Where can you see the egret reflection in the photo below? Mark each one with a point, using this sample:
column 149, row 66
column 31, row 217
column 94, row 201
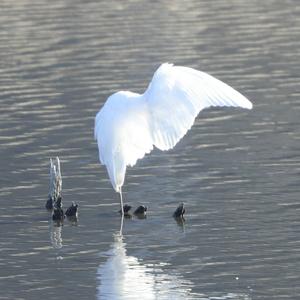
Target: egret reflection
column 126, row 277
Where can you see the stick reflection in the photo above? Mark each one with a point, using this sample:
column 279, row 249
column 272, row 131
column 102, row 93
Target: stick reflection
column 55, row 235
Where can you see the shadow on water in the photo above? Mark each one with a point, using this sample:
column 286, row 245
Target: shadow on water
column 180, row 222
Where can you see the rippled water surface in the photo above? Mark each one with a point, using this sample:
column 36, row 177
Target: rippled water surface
column 236, row 170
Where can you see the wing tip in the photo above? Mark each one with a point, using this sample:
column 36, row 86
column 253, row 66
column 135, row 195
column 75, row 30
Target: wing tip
column 248, row 105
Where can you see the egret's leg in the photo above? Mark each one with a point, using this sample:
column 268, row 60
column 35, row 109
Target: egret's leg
column 122, row 212
column 121, row 202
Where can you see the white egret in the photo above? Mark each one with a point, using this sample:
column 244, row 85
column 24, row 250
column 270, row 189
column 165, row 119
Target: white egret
column 130, row 124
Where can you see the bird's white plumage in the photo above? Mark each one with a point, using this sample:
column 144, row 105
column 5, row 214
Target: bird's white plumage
column 123, row 134
column 129, row 124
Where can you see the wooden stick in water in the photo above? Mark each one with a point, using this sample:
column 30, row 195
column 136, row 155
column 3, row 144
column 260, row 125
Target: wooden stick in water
column 55, row 186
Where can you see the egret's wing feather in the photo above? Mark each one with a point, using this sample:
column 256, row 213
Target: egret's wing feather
column 122, row 133
column 176, row 95
column 128, row 125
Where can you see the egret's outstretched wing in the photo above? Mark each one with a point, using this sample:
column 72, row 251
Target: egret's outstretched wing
column 176, row 95
column 122, row 133
column 129, row 124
